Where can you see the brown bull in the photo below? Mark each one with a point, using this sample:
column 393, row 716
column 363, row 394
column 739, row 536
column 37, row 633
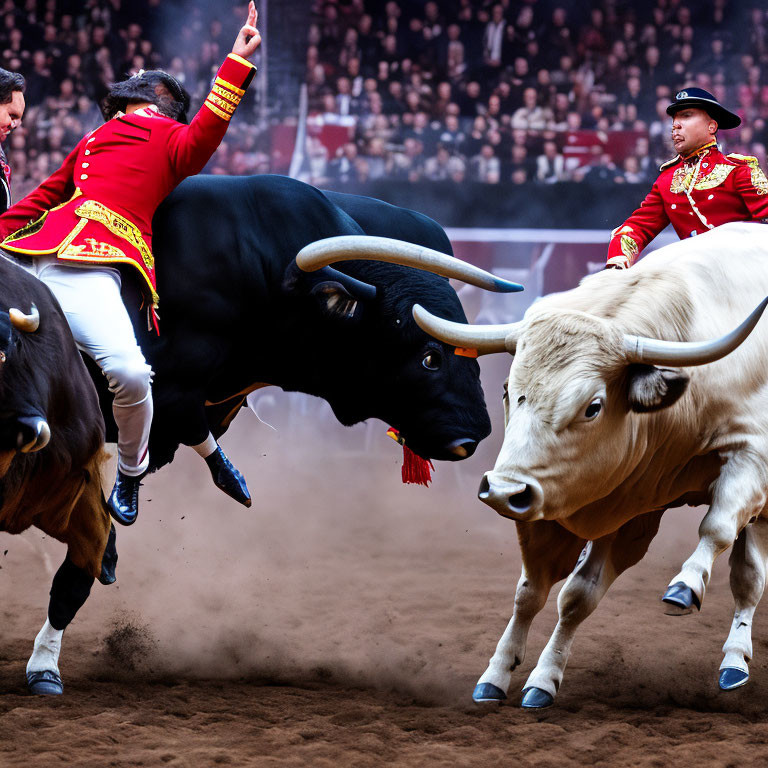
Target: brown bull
column 51, row 452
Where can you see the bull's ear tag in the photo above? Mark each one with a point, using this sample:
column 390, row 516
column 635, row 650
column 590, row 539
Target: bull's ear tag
column 465, row 352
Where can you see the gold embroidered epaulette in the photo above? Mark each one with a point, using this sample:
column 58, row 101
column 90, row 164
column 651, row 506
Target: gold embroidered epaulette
column 745, row 159
column 669, row 163
column 759, row 181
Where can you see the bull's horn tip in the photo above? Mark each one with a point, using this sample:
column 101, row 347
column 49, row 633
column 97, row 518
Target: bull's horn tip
column 507, row 286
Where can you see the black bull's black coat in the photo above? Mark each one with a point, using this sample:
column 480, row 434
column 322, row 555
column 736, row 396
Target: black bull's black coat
column 222, row 246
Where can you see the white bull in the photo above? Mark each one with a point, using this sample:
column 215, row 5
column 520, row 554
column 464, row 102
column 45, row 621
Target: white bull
column 602, row 436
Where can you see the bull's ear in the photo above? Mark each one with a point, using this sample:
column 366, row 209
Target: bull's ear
column 650, row 388
column 298, row 282
column 336, row 301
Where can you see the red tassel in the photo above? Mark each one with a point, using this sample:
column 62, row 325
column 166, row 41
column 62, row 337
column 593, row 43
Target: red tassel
column 415, row 469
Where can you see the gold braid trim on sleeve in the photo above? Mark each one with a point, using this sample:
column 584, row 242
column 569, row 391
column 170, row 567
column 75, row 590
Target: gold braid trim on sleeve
column 759, row 181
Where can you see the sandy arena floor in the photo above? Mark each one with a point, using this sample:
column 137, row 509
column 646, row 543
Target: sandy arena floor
column 344, row 620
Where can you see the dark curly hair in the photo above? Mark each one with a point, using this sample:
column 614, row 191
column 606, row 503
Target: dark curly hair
column 10, row 82
column 154, row 86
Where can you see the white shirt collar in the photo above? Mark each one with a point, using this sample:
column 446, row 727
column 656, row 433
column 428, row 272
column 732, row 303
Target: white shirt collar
column 143, row 112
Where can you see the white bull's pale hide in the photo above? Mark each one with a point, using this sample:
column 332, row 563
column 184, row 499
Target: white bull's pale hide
column 595, row 447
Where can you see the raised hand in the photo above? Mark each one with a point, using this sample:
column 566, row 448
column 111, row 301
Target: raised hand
column 248, row 39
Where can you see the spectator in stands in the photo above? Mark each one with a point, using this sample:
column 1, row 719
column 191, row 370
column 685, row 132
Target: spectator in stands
column 558, row 41
column 455, row 63
column 531, row 116
column 493, row 37
column 345, row 104
column 375, row 158
column 442, row 100
column 342, row 168
column 550, row 165
column 647, row 165
column 485, row 166
column 469, row 101
column 631, row 172
column 457, row 170
column 522, row 168
column 602, row 169
column 422, row 131
column 408, row 160
column 436, row 168
column 451, row 135
column 317, row 159
column 560, row 112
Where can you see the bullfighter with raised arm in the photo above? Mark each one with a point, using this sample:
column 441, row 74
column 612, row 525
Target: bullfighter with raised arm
column 93, row 217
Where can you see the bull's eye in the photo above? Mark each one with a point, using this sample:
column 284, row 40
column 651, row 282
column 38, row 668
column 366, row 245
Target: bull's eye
column 432, row 360
column 594, row 408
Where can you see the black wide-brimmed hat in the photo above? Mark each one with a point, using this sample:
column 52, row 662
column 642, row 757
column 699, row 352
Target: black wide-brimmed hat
column 698, row 97
column 154, row 86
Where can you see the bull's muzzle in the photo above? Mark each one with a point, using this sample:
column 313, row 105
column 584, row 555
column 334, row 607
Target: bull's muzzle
column 518, row 500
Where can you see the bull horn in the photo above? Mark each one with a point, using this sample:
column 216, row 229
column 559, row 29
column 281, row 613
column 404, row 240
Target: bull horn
column 486, row 339
column 40, row 440
column 681, row 353
column 27, row 323
column 321, row 253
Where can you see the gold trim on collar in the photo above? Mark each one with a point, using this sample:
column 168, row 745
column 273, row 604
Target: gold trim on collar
column 711, row 144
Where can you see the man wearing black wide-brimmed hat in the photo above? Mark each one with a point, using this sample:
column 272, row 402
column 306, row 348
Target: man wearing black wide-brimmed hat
column 699, row 189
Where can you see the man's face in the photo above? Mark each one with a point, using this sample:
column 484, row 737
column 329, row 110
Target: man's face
column 691, row 128
column 11, row 114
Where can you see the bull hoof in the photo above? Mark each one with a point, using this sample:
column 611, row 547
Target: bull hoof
column 536, row 698
column 109, row 559
column 681, row 599
column 731, row 678
column 45, row 683
column 487, row 693
column 227, row 478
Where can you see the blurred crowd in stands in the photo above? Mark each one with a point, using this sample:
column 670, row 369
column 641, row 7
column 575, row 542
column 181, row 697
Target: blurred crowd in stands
column 512, row 91
column 69, row 51
column 524, row 90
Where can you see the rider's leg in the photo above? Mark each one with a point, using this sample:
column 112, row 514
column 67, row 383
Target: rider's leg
column 90, row 298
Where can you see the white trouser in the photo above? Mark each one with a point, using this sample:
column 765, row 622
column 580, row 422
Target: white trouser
column 90, row 298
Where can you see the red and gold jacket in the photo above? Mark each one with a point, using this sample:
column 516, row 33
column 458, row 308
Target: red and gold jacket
column 694, row 194
column 98, row 207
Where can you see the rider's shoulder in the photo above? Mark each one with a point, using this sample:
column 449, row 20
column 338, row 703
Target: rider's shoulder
column 738, row 159
column 670, row 163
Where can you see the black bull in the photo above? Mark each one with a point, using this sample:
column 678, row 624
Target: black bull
column 234, row 312
column 228, row 320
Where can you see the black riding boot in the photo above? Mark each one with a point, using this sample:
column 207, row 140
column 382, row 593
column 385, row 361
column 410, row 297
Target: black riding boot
column 226, row 477
column 124, row 499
